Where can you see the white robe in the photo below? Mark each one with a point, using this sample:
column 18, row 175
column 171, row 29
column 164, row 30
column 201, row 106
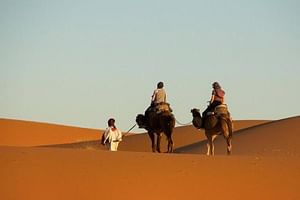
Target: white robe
column 113, row 137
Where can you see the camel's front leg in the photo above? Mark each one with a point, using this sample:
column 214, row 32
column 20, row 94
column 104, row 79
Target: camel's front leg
column 151, row 135
column 212, row 145
column 209, row 145
column 208, row 148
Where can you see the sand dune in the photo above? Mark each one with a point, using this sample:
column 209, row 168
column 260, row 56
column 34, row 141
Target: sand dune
column 27, row 133
column 265, row 165
column 182, row 136
column 274, row 138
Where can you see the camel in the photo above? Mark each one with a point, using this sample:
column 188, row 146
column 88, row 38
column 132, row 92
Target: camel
column 156, row 124
column 214, row 124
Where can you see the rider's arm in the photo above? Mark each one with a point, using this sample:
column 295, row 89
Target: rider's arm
column 223, row 100
column 212, row 98
column 153, row 96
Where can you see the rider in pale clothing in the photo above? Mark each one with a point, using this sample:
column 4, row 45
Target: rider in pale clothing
column 113, row 135
column 159, row 95
column 158, row 103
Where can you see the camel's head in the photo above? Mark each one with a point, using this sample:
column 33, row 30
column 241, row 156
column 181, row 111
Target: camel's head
column 140, row 120
column 197, row 121
column 195, row 112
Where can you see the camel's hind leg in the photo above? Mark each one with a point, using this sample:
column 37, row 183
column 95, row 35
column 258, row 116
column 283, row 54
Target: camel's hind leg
column 170, row 141
column 228, row 136
column 229, row 145
column 227, row 133
column 158, row 143
column 170, row 145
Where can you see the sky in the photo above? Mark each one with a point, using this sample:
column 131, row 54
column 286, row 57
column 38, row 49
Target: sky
column 79, row 63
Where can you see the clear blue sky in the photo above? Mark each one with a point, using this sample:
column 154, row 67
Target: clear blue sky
column 81, row 62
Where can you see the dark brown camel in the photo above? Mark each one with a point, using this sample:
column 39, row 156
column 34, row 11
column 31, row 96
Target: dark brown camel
column 214, row 125
column 156, row 124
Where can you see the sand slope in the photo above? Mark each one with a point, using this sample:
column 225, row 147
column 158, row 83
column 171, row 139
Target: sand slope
column 27, row 133
column 281, row 137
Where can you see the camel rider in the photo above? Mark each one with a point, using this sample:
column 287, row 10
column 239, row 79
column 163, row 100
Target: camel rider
column 158, row 100
column 217, row 98
column 159, row 95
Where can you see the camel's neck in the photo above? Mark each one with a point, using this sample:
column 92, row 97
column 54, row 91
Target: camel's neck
column 197, row 120
column 197, row 115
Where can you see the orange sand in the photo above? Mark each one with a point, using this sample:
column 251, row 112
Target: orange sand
column 265, row 164
column 25, row 133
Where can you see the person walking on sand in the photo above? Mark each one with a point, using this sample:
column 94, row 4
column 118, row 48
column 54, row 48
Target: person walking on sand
column 112, row 135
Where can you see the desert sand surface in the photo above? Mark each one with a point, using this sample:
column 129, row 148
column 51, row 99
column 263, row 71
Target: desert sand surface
column 265, row 164
column 28, row 133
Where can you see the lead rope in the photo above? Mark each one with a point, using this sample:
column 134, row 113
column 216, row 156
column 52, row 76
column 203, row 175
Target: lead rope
column 182, row 123
column 125, row 134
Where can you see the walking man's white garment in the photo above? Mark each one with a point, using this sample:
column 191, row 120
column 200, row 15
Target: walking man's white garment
column 114, row 136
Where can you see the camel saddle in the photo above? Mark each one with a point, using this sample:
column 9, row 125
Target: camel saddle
column 221, row 109
column 163, row 107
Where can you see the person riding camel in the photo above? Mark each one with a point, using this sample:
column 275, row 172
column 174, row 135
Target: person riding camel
column 217, row 98
column 159, row 95
column 158, row 101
